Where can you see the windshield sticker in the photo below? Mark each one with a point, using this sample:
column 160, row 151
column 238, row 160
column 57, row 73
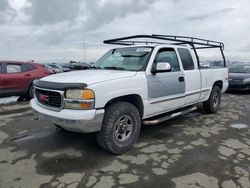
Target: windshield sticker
column 143, row 50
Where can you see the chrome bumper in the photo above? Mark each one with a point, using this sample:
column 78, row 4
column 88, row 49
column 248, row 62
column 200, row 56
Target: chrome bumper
column 84, row 121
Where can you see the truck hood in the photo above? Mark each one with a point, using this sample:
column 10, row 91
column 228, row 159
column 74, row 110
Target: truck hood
column 88, row 76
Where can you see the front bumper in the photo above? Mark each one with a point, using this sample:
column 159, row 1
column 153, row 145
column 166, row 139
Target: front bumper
column 84, row 121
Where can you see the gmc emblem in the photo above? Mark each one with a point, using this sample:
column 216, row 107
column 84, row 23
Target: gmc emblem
column 43, row 97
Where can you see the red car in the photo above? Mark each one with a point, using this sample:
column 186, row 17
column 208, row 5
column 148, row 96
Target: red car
column 16, row 78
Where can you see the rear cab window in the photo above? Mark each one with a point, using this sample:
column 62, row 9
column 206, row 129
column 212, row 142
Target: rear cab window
column 1, row 69
column 186, row 59
column 211, row 58
column 13, row 68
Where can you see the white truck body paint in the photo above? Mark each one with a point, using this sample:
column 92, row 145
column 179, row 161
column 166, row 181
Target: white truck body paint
column 110, row 84
column 209, row 77
column 88, row 76
column 193, row 82
column 106, row 91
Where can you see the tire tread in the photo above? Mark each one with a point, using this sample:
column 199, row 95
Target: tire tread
column 104, row 137
column 207, row 105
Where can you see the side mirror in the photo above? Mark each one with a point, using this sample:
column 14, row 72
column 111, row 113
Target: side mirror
column 162, row 67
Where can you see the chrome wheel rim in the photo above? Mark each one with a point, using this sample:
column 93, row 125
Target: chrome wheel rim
column 215, row 99
column 123, row 128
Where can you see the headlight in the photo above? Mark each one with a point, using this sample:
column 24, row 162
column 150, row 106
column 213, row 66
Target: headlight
column 79, row 99
column 246, row 80
column 84, row 94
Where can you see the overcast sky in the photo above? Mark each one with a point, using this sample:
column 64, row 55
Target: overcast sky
column 52, row 30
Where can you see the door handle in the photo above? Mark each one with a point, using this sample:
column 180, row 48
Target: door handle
column 27, row 75
column 181, row 79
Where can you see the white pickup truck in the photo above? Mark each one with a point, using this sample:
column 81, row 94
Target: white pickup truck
column 129, row 86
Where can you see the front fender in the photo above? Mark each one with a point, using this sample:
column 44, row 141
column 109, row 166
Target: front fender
column 106, row 91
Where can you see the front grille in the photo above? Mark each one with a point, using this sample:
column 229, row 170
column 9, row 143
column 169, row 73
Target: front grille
column 48, row 98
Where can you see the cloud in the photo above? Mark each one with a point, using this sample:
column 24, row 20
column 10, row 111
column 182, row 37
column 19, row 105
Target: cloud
column 54, row 29
column 82, row 16
column 102, row 12
column 52, row 11
column 6, row 12
column 245, row 48
column 56, row 34
column 211, row 14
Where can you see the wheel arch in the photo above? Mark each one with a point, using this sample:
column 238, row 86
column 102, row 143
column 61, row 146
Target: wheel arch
column 218, row 83
column 134, row 99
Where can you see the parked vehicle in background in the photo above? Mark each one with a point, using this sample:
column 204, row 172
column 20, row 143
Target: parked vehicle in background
column 16, row 78
column 84, row 65
column 74, row 65
column 66, row 67
column 211, row 64
column 217, row 64
column 205, row 64
column 146, row 83
column 56, row 68
column 49, row 68
column 239, row 76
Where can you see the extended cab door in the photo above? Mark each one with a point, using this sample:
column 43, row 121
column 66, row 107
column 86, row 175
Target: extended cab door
column 166, row 90
column 192, row 76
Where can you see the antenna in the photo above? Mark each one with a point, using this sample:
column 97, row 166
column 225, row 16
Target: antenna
column 84, row 48
column 83, row 34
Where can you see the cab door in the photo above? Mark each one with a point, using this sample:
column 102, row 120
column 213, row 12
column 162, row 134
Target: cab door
column 192, row 76
column 166, row 90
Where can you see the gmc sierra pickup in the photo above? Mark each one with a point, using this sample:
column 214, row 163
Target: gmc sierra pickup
column 145, row 82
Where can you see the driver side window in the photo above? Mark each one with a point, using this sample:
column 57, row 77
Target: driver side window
column 168, row 55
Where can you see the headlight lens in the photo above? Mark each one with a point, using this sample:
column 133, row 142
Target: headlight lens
column 80, row 94
column 246, row 80
column 79, row 99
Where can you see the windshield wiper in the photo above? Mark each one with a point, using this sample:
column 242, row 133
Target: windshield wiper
column 115, row 68
column 136, row 55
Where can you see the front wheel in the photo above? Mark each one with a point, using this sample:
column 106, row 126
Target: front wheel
column 120, row 128
column 30, row 91
column 212, row 105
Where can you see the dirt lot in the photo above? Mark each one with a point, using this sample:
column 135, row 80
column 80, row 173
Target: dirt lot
column 196, row 150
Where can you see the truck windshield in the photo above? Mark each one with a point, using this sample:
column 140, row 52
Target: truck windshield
column 131, row 59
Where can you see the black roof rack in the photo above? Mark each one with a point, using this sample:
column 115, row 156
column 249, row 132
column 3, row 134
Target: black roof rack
column 195, row 43
column 203, row 43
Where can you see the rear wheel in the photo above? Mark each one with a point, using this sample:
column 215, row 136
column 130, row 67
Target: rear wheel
column 212, row 105
column 120, row 128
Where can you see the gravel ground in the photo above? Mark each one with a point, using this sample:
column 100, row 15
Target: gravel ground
column 195, row 150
